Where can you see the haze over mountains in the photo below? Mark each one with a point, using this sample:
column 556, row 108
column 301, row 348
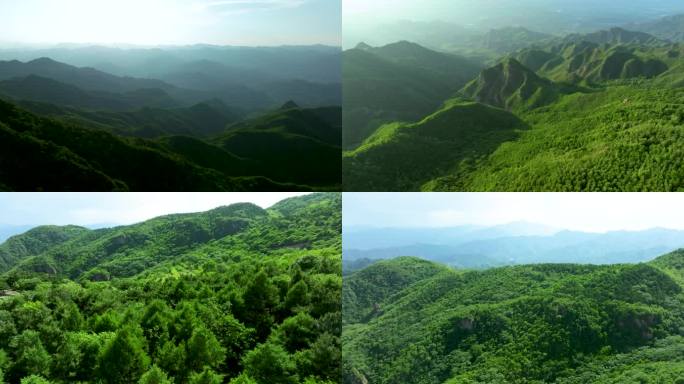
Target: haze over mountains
column 512, row 244
column 216, row 118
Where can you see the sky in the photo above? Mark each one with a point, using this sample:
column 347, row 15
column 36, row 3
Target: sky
column 109, row 209
column 589, row 212
column 171, row 22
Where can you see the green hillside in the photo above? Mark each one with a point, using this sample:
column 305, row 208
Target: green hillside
column 403, row 156
column 401, row 81
column 598, row 112
column 238, row 294
column 560, row 323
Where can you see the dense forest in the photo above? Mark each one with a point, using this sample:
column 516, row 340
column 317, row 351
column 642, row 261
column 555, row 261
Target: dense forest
column 598, row 111
column 204, row 118
column 239, row 295
column 409, row 320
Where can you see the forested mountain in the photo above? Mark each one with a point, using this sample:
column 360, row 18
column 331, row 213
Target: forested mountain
column 413, row 321
column 401, row 81
column 238, row 294
column 597, row 111
column 210, row 119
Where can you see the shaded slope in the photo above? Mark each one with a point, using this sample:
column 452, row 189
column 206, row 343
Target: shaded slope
column 201, row 120
column 41, row 89
column 84, row 78
column 290, row 144
column 401, row 81
column 405, row 156
column 41, row 153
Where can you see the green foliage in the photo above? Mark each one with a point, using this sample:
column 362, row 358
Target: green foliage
column 123, row 359
column 525, row 324
column 188, row 298
column 154, row 376
column 207, row 376
column 34, row 379
column 270, row 363
column 29, row 355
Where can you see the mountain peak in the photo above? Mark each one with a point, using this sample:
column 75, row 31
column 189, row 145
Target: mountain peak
column 510, row 84
column 289, row 105
column 363, row 46
column 43, row 61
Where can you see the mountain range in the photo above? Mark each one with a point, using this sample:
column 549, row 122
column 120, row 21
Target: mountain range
column 514, row 244
column 69, row 127
column 581, row 112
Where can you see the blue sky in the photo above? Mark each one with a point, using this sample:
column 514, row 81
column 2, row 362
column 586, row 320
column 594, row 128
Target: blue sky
column 592, row 212
column 96, row 209
column 163, row 22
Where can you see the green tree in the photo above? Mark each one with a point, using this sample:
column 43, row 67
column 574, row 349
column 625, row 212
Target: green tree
column 34, row 379
column 70, row 316
column 123, row 359
column 297, row 295
column 76, row 357
column 203, row 350
column 270, row 363
column 243, row 379
column 155, row 323
column 30, row 357
column 260, row 299
column 297, row 332
column 207, row 376
column 154, row 376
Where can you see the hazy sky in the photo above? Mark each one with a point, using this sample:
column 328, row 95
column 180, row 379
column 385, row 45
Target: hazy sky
column 157, row 22
column 88, row 209
column 575, row 211
column 371, row 21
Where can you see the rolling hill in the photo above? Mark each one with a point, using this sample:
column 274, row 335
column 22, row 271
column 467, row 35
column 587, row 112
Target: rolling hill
column 549, row 323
